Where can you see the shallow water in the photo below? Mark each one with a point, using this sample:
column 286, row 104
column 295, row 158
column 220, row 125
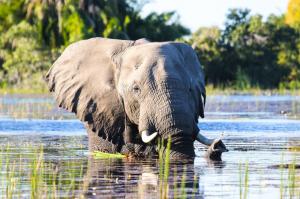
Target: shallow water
column 260, row 131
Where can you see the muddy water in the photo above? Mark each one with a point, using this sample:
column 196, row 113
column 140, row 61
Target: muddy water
column 262, row 132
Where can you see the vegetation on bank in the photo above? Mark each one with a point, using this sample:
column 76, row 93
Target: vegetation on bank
column 249, row 54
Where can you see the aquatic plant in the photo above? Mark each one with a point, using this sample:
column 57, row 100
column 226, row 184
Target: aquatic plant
column 43, row 178
column 164, row 175
column 28, row 172
column 244, row 181
column 291, row 180
column 102, row 155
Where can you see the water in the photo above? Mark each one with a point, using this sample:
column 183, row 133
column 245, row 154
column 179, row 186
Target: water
column 261, row 131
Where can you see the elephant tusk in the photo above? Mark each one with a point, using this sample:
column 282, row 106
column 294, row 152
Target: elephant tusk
column 147, row 136
column 204, row 140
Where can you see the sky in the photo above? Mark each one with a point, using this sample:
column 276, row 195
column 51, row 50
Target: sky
column 197, row 13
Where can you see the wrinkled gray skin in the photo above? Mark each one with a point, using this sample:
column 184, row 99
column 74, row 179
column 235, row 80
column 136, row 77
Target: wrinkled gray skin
column 120, row 88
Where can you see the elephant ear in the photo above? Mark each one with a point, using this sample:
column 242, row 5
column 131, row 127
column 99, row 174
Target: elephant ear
column 191, row 61
column 83, row 81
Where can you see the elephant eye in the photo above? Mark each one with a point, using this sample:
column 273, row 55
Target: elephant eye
column 136, row 89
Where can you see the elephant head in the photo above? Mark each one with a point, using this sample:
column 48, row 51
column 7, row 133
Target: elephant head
column 130, row 92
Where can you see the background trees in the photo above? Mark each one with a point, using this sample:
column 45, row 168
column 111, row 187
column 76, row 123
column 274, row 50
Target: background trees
column 293, row 14
column 34, row 32
column 249, row 51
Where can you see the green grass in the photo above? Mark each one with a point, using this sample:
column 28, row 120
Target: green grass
column 289, row 183
column 31, row 170
column 244, row 180
column 30, row 88
column 48, row 180
column 210, row 89
column 44, row 179
column 165, row 172
column 102, row 155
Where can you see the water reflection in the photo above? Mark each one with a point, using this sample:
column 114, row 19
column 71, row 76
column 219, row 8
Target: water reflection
column 75, row 173
column 260, row 130
column 134, row 179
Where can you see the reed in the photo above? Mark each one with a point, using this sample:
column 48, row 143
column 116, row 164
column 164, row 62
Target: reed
column 244, row 180
column 43, row 179
column 164, row 174
column 290, row 179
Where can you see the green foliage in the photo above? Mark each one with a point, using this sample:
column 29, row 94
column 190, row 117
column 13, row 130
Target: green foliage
column 249, row 52
column 242, row 81
column 32, row 32
column 22, row 55
column 293, row 14
column 10, row 13
column 157, row 27
column 103, row 155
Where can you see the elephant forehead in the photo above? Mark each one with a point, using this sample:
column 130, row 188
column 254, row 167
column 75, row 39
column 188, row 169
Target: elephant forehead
column 137, row 55
column 151, row 55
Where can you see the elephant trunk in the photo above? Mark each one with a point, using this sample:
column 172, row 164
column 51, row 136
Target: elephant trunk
column 176, row 123
column 168, row 112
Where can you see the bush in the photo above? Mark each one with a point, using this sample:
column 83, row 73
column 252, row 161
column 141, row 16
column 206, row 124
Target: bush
column 22, row 55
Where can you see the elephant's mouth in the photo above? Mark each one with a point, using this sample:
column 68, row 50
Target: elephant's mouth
column 215, row 146
column 148, row 136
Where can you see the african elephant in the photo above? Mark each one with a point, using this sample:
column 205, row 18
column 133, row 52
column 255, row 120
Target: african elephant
column 129, row 92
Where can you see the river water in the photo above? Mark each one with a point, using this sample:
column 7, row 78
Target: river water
column 262, row 134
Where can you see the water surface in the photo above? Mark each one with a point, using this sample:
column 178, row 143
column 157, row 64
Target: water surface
column 262, row 132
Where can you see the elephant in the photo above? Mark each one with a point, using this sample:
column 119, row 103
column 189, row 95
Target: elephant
column 130, row 93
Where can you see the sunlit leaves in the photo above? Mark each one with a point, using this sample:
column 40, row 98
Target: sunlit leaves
column 249, row 51
column 22, row 53
column 293, row 14
column 33, row 31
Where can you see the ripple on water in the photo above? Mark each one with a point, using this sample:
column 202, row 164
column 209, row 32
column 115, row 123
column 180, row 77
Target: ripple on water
column 253, row 128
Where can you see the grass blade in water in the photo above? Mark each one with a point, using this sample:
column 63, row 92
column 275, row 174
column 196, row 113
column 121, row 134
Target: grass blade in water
column 102, row 155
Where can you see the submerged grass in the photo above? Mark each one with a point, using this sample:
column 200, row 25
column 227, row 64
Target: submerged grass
column 165, row 167
column 102, row 155
column 289, row 180
column 42, row 178
column 244, row 181
column 290, row 184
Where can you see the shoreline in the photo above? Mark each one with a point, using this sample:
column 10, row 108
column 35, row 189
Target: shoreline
column 209, row 91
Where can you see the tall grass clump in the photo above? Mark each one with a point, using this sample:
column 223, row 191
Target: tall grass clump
column 164, row 167
column 289, row 183
column 165, row 171
column 244, row 181
column 29, row 175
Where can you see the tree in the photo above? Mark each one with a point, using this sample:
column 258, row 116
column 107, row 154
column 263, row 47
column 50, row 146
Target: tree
column 33, row 31
column 23, row 56
column 292, row 17
column 206, row 42
column 249, row 51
